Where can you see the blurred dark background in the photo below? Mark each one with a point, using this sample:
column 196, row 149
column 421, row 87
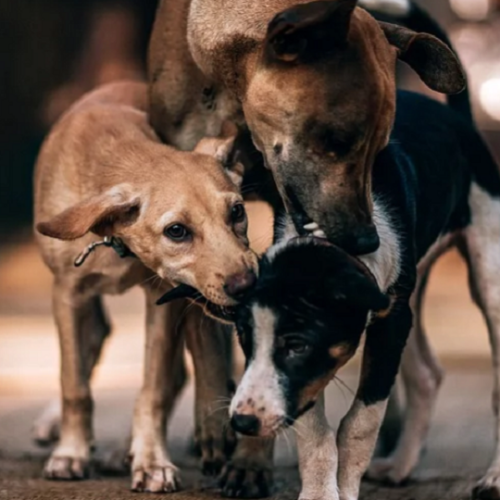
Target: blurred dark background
column 52, row 51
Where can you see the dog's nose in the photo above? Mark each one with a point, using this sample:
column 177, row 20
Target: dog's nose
column 363, row 241
column 237, row 284
column 245, row 424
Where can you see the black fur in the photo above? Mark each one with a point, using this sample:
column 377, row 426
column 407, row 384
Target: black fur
column 321, row 296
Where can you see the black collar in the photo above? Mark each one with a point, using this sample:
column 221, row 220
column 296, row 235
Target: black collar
column 109, row 241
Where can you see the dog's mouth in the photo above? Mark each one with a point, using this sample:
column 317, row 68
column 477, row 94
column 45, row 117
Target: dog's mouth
column 221, row 313
column 304, row 225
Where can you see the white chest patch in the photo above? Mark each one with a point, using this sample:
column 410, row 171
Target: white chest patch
column 385, row 262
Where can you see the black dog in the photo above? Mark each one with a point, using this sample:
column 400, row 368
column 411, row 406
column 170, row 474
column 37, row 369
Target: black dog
column 434, row 186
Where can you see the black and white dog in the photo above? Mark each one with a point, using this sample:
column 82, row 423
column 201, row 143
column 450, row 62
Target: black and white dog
column 434, row 186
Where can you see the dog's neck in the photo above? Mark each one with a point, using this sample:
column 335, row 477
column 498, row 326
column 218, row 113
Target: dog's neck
column 384, row 264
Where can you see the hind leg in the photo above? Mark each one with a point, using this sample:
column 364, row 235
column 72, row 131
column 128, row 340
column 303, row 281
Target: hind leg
column 46, row 428
column 74, row 314
column 481, row 249
column 422, row 377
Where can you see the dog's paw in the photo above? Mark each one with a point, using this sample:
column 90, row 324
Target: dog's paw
column 488, row 488
column 66, row 468
column 246, row 478
column 216, row 442
column 47, row 426
column 154, row 479
column 387, row 471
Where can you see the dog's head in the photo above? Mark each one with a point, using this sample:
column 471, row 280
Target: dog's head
column 319, row 99
column 299, row 325
column 182, row 215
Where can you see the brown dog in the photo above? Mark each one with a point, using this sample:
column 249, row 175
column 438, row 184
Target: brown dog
column 315, row 84
column 102, row 170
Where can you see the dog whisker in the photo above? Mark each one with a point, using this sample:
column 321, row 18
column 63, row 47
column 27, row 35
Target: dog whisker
column 343, row 384
column 217, row 410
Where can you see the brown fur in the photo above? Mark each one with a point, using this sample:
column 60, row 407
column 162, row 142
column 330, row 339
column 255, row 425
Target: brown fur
column 342, row 353
column 253, row 57
column 103, row 170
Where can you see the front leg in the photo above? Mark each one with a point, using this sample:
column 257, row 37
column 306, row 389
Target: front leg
column 152, row 469
column 210, row 345
column 317, row 451
column 249, row 473
column 385, row 341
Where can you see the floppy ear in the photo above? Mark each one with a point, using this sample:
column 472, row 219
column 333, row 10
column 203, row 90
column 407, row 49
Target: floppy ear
column 225, row 151
column 356, row 288
column 98, row 214
column 308, row 29
column 435, row 63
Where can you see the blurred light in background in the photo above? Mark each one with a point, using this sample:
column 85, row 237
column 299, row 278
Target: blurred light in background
column 489, row 96
column 472, row 10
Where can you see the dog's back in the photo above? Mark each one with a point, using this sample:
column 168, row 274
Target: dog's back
column 65, row 170
column 424, row 176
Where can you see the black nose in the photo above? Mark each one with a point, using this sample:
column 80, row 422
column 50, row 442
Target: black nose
column 363, row 241
column 245, row 424
column 237, row 284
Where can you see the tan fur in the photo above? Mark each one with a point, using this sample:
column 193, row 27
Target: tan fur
column 103, row 170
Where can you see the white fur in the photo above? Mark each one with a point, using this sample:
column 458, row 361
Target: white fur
column 167, row 218
column 260, row 383
column 483, row 242
column 384, row 263
column 400, row 8
column 317, row 450
column 356, row 440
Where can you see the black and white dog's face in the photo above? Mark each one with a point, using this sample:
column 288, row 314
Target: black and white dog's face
column 301, row 323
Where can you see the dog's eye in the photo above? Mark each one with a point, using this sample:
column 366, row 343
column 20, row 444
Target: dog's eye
column 238, row 213
column 296, row 347
column 177, row 232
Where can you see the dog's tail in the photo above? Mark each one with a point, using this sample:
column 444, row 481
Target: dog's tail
column 414, row 17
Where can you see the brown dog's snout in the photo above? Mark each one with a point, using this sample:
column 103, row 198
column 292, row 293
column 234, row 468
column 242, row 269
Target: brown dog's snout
column 237, row 284
column 249, row 425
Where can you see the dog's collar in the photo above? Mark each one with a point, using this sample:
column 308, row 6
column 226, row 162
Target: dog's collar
column 109, row 241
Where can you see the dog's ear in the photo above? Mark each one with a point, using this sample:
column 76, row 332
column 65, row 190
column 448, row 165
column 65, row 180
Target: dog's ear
column 435, row 63
column 99, row 214
column 354, row 286
column 308, row 29
column 224, row 150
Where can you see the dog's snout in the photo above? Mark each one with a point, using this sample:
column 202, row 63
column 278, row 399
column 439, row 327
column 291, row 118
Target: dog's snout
column 245, row 424
column 364, row 241
column 237, row 284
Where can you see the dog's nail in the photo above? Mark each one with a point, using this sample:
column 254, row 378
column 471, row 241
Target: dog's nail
column 312, row 226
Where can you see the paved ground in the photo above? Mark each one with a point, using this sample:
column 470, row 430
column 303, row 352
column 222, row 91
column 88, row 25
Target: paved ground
column 459, row 447
column 458, row 451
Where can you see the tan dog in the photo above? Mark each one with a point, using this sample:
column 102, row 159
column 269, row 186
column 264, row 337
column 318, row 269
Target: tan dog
column 313, row 81
column 103, row 171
